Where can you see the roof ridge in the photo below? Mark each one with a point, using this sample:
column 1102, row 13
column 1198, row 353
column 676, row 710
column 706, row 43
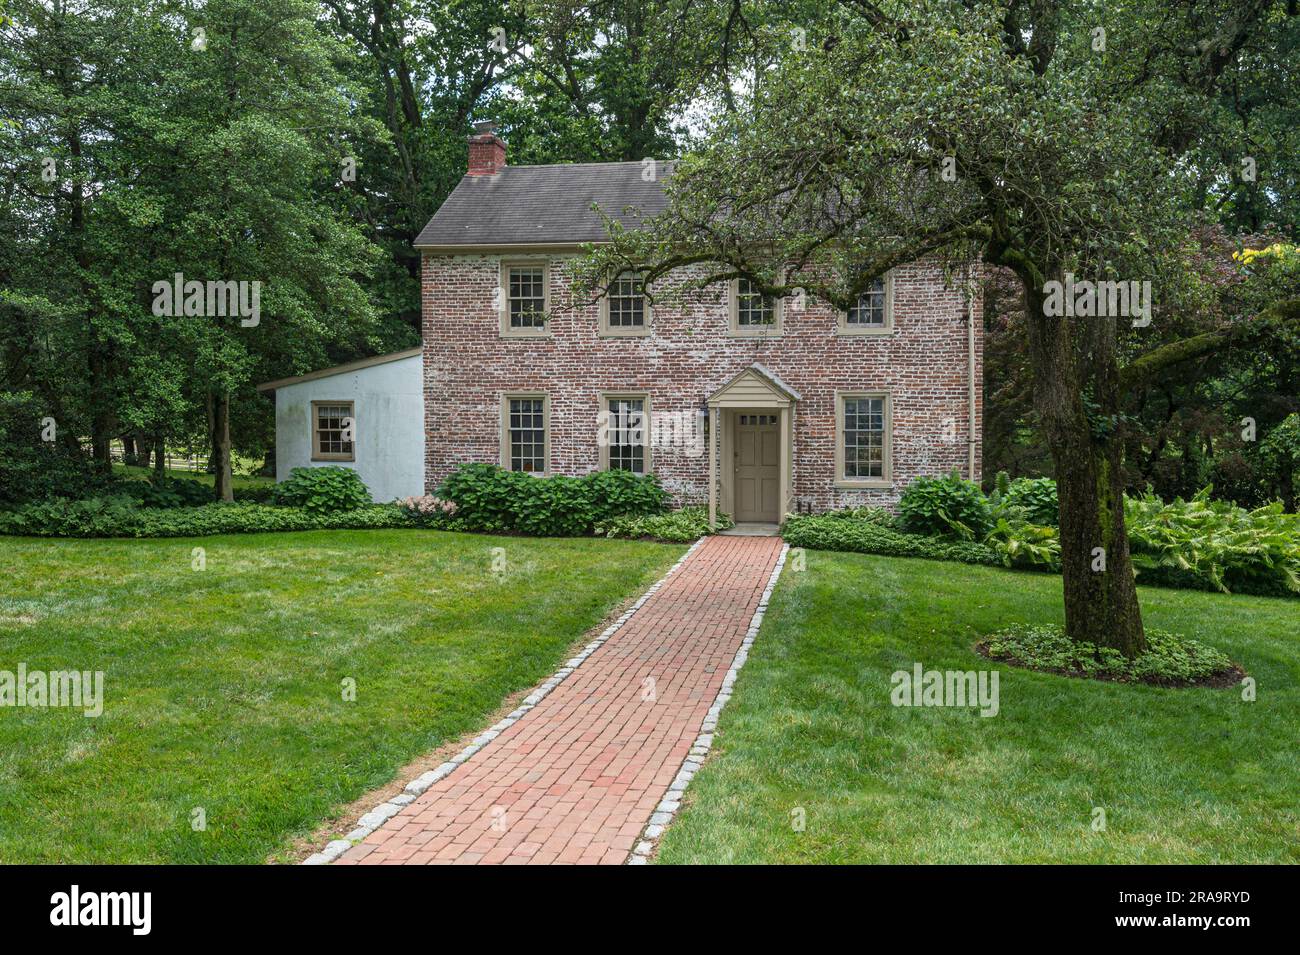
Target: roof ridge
column 552, row 165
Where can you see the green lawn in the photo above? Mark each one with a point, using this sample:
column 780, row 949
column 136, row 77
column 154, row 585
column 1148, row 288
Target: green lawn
column 236, row 480
column 223, row 686
column 1184, row 776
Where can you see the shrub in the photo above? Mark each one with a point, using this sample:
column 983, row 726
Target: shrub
column 872, row 515
column 1021, row 544
column 945, row 507
column 681, row 526
column 172, row 492
column 490, row 498
column 1035, row 498
column 325, row 490
column 32, row 469
column 823, row 532
column 1214, row 544
column 428, row 511
column 255, row 494
column 1170, row 660
column 91, row 517
column 119, row 517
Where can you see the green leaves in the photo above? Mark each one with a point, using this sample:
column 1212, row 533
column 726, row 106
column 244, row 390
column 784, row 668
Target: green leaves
column 326, row 490
column 1170, row 659
column 680, row 526
column 490, row 498
column 1215, row 543
column 945, row 507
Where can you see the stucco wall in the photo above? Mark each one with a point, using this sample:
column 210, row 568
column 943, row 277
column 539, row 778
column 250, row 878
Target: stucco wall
column 388, row 407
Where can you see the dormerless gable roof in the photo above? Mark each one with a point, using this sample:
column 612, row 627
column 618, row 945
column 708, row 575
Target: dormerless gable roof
column 544, row 205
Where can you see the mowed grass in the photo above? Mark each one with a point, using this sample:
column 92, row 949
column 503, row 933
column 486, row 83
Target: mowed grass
column 236, row 480
column 224, row 686
column 1183, row 776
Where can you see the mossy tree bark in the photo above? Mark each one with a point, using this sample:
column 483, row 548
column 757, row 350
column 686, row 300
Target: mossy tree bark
column 1077, row 395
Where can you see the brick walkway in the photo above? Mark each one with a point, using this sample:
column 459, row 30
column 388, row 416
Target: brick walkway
column 576, row 779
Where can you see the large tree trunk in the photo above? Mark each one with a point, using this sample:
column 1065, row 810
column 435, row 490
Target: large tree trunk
column 221, row 446
column 159, row 458
column 1071, row 356
column 143, row 447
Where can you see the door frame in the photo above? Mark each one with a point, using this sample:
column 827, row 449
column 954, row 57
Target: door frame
column 731, row 421
column 753, row 390
column 723, row 435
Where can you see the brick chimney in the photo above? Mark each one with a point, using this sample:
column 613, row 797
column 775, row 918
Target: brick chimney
column 487, row 150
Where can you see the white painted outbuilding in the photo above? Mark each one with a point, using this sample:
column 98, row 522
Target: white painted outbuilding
column 367, row 415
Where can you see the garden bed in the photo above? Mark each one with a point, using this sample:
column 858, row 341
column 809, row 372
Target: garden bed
column 1170, row 660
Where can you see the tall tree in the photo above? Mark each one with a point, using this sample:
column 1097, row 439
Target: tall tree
column 204, row 139
column 1041, row 137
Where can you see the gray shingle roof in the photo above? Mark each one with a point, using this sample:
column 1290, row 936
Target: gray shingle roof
column 544, row 204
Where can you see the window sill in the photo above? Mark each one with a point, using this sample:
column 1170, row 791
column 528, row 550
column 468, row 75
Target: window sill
column 758, row 333
column 848, row 332
column 610, row 333
column 332, row 460
column 875, row 484
column 526, row 335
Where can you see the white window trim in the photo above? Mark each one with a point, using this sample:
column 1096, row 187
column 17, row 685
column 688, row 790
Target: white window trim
column 644, row 396
column 504, row 432
column 621, row 331
column 844, row 328
column 736, row 330
column 503, row 286
column 886, row 479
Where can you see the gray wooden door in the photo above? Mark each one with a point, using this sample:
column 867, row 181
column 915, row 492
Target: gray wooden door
column 758, row 464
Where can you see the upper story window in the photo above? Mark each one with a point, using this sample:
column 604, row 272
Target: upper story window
column 624, row 310
column 752, row 312
column 332, row 431
column 525, row 294
column 873, row 312
column 525, row 421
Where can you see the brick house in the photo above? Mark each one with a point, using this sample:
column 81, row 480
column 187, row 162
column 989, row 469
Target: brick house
column 757, row 407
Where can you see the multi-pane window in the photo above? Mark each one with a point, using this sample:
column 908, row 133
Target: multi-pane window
column 869, row 310
column 332, row 430
column 753, row 308
column 626, row 433
column 526, row 434
column 526, row 296
column 863, row 438
column 626, row 302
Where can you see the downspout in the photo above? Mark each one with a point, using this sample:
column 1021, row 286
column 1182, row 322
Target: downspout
column 970, row 382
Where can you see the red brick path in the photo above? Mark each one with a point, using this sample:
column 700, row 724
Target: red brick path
column 576, row 779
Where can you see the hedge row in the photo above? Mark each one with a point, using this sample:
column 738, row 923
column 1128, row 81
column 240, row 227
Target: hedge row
column 679, row 527
column 490, row 498
column 99, row 517
column 827, row 532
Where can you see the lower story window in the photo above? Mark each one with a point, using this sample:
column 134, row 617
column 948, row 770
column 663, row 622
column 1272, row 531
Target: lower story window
column 863, row 438
column 524, row 434
column 332, row 431
column 626, row 434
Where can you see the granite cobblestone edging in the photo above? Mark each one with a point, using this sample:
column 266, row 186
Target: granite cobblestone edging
column 672, row 801
column 377, row 816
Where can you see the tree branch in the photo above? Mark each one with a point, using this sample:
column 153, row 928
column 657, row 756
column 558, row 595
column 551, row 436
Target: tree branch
column 1278, row 316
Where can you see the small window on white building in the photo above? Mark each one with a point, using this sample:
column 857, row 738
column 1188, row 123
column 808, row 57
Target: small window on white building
column 333, row 431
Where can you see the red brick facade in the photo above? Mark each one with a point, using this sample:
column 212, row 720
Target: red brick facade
column 687, row 357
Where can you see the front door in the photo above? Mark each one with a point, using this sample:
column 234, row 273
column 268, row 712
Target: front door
column 758, row 465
